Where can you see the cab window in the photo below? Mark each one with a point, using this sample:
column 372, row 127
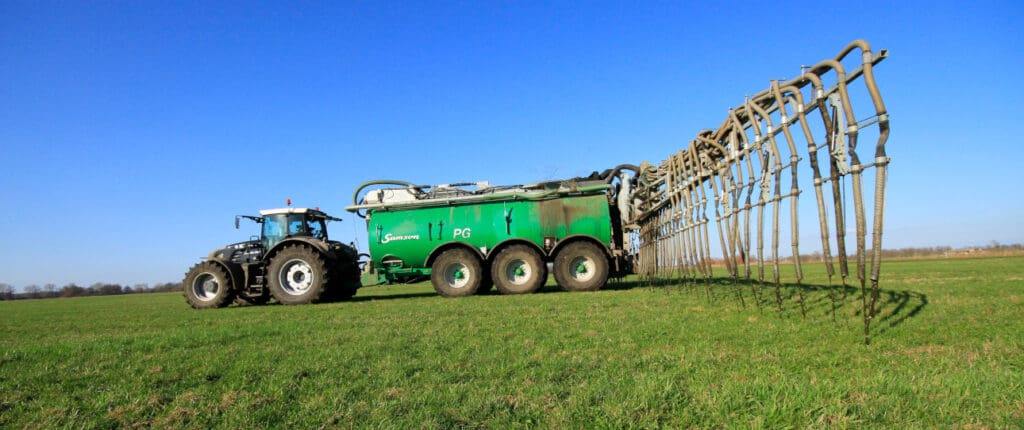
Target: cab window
column 273, row 230
column 316, row 228
column 296, row 224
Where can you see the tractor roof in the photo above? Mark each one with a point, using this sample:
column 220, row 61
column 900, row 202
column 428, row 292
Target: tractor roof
column 285, row 211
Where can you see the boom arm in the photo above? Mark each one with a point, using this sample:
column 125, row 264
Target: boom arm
column 748, row 168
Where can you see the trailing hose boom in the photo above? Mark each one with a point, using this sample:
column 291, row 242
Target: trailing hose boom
column 749, row 169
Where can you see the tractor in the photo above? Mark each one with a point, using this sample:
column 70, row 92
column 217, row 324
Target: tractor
column 292, row 261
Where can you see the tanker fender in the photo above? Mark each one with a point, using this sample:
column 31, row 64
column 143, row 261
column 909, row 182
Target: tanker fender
column 450, row 245
column 493, row 252
column 578, row 238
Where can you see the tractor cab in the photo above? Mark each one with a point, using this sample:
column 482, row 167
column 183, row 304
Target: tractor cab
column 280, row 224
column 283, row 223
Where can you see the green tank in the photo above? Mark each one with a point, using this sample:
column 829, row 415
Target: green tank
column 467, row 240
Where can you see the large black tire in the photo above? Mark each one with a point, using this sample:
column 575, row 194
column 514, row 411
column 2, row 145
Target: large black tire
column 207, row 285
column 347, row 276
column 298, row 275
column 344, row 283
column 518, row 269
column 456, row 273
column 581, row 266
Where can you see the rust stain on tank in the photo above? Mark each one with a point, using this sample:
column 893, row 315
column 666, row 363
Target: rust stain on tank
column 560, row 214
column 550, row 212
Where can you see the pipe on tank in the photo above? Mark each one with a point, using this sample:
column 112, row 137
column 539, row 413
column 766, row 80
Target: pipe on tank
column 359, row 189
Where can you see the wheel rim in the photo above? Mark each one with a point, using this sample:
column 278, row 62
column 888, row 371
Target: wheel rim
column 582, row 269
column 205, row 287
column 518, row 272
column 456, row 275
column 296, row 277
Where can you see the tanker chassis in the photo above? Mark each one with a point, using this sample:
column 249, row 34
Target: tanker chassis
column 468, row 240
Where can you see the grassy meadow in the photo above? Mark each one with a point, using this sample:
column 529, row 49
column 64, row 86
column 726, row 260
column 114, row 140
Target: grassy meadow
column 947, row 351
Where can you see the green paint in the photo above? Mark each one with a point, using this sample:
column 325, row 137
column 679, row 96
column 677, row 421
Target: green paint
column 412, row 233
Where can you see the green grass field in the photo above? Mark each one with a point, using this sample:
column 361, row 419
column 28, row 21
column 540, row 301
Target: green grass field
column 947, row 351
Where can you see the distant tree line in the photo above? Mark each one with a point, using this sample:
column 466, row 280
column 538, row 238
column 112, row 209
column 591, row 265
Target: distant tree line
column 7, row 291
column 993, row 249
column 50, row 291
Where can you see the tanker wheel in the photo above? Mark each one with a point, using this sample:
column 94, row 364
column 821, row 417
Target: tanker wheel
column 456, row 273
column 207, row 285
column 518, row 269
column 581, row 266
column 298, row 275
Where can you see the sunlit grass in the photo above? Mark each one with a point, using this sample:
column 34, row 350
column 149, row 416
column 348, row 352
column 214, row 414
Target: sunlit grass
column 947, row 351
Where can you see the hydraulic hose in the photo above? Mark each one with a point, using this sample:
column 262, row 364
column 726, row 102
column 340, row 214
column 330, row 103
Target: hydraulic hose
column 359, row 189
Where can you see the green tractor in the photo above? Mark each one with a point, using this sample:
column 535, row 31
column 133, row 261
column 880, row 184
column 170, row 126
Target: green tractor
column 292, row 261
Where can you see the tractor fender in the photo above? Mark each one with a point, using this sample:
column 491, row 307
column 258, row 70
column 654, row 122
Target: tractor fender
column 234, row 270
column 317, row 244
column 224, row 253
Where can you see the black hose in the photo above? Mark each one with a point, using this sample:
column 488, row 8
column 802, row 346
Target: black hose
column 610, row 174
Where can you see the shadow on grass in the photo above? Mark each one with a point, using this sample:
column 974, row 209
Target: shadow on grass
column 892, row 307
column 376, row 297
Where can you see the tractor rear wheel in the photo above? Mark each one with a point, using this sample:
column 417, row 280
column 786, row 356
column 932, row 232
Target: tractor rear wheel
column 581, row 266
column 518, row 269
column 298, row 275
column 456, row 273
column 207, row 285
column 343, row 285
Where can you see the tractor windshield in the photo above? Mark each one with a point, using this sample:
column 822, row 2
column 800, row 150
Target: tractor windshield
column 278, row 227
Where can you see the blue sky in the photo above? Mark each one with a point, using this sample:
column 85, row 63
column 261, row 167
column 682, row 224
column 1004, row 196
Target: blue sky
column 132, row 132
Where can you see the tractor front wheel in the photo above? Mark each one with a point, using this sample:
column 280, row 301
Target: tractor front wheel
column 298, row 275
column 207, row 285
